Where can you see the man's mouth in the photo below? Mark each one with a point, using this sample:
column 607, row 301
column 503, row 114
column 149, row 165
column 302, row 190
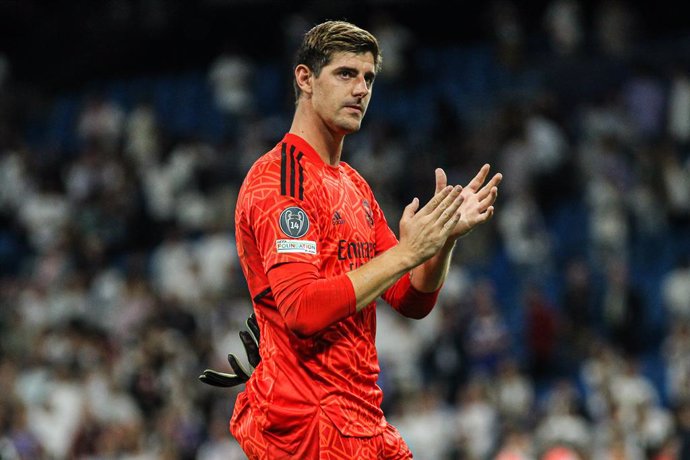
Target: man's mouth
column 356, row 107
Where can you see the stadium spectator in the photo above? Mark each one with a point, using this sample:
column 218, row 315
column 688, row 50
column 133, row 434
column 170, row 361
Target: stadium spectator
column 101, row 122
column 508, row 33
column 397, row 44
column 514, row 394
column 230, row 76
column 564, row 25
column 142, row 136
column 674, row 349
column 616, row 27
column 477, row 421
column 679, row 105
column 645, row 99
column 623, row 309
column 675, row 291
column 487, row 338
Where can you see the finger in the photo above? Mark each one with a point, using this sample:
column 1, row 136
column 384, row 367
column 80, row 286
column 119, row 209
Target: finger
column 489, row 186
column 452, row 223
column 435, row 201
column 479, row 179
column 441, row 180
column 450, row 216
column 446, row 208
column 489, row 199
column 254, row 327
column 411, row 209
column 237, row 367
column 219, row 379
column 495, row 180
column 251, row 348
column 488, row 214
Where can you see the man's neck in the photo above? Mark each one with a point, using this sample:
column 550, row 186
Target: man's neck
column 327, row 144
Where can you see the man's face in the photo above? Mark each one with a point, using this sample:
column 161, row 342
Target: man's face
column 342, row 91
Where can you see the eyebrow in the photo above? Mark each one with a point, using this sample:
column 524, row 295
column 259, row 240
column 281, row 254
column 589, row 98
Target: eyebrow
column 369, row 74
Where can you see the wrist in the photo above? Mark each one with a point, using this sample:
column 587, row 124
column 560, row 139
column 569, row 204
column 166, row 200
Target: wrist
column 403, row 258
column 446, row 249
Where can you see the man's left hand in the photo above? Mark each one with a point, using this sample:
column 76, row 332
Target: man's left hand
column 479, row 197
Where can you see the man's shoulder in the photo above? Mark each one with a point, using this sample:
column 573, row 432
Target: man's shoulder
column 266, row 161
column 283, row 170
column 284, row 156
column 263, row 171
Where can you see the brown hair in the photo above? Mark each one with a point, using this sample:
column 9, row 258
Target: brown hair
column 325, row 39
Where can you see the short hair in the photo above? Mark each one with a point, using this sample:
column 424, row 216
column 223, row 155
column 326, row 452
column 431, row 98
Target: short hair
column 330, row 37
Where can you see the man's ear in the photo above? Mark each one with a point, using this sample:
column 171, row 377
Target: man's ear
column 303, row 77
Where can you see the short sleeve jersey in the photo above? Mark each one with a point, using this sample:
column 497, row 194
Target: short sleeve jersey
column 294, row 207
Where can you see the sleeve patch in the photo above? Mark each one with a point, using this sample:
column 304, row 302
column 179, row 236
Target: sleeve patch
column 294, row 222
column 295, row 246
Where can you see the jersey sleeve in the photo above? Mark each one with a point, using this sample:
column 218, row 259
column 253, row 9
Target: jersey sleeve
column 408, row 301
column 286, row 230
column 309, row 303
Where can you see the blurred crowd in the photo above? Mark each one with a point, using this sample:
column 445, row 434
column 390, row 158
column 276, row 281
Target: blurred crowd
column 563, row 330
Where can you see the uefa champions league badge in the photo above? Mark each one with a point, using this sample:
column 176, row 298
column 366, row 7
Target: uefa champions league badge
column 294, row 222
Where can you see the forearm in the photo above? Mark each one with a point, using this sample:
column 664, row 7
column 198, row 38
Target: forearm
column 429, row 276
column 414, row 296
column 408, row 301
column 309, row 303
column 373, row 278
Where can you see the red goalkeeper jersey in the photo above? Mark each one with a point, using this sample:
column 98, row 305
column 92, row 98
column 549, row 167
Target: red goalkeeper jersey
column 293, row 207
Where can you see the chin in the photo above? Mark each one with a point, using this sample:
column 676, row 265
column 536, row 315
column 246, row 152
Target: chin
column 349, row 128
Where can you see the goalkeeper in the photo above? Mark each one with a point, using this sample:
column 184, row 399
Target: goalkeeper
column 317, row 251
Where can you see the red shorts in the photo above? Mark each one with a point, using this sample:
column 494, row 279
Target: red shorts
column 324, row 441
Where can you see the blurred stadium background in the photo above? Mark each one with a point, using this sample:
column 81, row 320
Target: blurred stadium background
column 126, row 127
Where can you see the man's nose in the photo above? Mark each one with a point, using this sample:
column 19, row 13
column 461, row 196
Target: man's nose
column 361, row 88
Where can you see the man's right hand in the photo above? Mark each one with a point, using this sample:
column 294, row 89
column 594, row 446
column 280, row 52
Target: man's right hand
column 250, row 340
column 424, row 231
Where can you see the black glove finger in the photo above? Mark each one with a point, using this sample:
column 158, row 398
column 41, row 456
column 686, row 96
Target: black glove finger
column 251, row 348
column 238, row 368
column 254, row 327
column 220, row 379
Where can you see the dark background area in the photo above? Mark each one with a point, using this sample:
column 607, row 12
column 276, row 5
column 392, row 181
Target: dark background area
column 61, row 44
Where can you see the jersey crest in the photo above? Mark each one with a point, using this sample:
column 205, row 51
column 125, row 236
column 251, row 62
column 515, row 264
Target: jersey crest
column 368, row 212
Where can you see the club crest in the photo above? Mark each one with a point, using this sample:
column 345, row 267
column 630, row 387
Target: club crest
column 294, row 222
column 368, row 213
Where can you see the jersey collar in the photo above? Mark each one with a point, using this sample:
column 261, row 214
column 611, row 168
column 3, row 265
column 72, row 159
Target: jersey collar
column 304, row 147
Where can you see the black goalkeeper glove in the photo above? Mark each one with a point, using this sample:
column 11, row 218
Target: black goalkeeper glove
column 250, row 340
